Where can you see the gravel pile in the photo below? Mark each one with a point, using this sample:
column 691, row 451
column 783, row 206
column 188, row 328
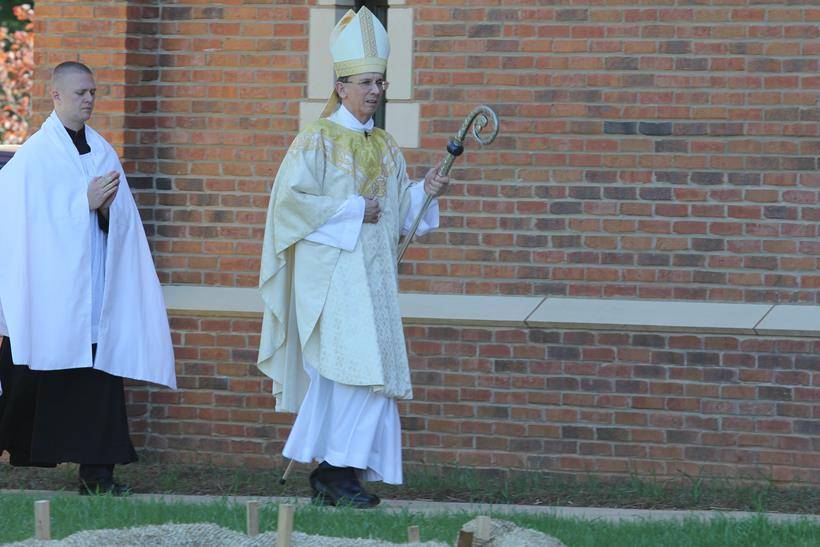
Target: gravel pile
column 200, row 535
column 504, row 534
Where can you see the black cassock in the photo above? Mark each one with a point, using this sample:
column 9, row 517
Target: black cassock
column 50, row 417
column 74, row 415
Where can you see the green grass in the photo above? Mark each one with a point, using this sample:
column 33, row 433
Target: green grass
column 453, row 484
column 71, row 514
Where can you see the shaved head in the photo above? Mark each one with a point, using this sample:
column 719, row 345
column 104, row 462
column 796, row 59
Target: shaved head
column 73, row 91
column 68, row 67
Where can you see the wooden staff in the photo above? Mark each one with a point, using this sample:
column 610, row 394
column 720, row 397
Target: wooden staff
column 286, row 474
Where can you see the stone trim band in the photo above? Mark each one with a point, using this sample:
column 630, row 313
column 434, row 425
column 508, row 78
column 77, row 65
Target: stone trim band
column 542, row 312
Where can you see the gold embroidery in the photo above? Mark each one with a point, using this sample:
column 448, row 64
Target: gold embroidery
column 360, row 66
column 370, row 161
column 368, row 33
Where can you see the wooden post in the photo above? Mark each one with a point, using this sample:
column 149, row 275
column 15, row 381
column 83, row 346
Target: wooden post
column 413, row 535
column 465, row 539
column 252, row 518
column 483, row 529
column 284, row 528
column 42, row 519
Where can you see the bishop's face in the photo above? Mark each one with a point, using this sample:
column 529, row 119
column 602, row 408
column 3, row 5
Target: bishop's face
column 74, row 95
column 362, row 94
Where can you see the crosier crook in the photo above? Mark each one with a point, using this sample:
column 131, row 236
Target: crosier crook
column 481, row 115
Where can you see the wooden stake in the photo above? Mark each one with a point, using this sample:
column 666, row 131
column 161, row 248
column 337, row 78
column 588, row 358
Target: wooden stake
column 413, row 535
column 252, row 518
column 483, row 529
column 42, row 519
column 465, row 539
column 284, row 528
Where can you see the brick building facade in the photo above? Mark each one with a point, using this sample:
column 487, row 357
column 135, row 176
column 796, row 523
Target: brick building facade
column 657, row 162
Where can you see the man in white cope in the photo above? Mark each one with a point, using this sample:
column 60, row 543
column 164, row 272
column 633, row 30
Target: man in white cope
column 332, row 338
column 81, row 307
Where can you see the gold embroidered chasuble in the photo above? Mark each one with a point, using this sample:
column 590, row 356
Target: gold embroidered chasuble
column 336, row 309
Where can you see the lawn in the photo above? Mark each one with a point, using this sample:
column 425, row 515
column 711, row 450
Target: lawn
column 72, row 513
column 451, row 484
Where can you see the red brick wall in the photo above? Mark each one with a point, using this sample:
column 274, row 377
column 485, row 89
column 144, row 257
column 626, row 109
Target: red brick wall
column 659, row 152
column 646, row 152
column 94, row 33
column 202, row 100
column 559, row 401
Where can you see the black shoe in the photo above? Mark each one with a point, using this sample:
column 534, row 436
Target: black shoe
column 340, row 486
column 104, row 488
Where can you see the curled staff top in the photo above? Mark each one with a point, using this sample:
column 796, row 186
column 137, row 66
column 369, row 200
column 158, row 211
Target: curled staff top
column 481, row 115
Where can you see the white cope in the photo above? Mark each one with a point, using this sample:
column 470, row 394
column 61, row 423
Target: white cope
column 46, row 276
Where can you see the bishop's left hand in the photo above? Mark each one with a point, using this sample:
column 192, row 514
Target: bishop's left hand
column 435, row 184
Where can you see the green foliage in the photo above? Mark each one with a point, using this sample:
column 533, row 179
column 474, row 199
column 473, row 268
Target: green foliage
column 7, row 17
column 16, row 74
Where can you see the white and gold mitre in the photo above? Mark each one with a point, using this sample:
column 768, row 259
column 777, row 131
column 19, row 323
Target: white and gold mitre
column 358, row 44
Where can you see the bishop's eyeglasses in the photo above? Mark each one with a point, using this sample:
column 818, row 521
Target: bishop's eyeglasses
column 366, row 84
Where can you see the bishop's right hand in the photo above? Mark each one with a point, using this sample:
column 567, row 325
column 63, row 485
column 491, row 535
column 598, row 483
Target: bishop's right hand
column 102, row 190
column 372, row 210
